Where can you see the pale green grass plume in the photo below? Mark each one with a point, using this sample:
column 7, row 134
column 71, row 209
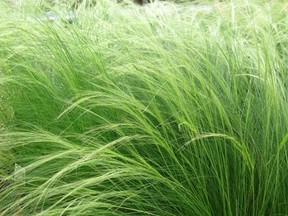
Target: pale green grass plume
column 139, row 114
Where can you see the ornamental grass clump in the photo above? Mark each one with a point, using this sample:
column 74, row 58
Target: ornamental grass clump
column 128, row 112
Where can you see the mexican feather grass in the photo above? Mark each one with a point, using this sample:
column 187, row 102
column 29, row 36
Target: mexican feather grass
column 128, row 112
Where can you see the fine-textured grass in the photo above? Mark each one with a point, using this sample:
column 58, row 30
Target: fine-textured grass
column 138, row 112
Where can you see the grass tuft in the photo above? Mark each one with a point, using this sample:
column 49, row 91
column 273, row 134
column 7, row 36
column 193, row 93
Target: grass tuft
column 129, row 112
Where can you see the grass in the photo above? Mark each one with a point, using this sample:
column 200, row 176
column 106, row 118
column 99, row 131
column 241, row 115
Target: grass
column 141, row 113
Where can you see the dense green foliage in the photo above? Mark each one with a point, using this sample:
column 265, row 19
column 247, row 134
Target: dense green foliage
column 137, row 112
